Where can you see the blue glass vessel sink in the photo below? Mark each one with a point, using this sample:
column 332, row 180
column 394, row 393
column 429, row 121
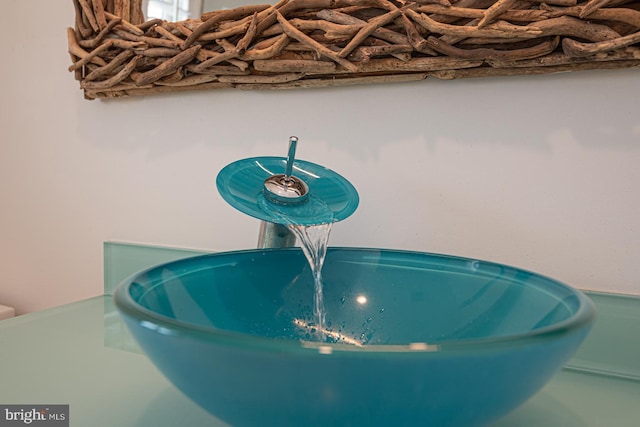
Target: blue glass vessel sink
column 412, row 339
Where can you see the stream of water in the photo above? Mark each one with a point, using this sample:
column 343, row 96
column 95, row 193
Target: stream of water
column 314, row 240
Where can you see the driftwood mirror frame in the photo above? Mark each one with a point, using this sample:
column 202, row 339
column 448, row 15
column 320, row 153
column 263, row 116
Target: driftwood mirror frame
column 311, row 43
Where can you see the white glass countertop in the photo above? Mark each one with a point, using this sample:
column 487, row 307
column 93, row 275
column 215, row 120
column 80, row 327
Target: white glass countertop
column 66, row 355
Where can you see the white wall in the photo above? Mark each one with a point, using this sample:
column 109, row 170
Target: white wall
column 538, row 172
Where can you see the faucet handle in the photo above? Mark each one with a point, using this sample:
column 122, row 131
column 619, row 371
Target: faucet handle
column 291, row 156
column 286, row 188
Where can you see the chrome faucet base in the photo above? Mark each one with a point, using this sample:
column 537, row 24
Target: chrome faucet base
column 273, row 235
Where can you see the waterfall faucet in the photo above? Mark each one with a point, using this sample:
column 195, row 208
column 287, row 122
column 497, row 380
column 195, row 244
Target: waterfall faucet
column 286, row 189
column 303, row 194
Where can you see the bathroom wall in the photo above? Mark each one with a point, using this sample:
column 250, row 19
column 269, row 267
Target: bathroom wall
column 538, row 172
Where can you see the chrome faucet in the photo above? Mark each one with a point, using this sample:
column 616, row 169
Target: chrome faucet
column 313, row 195
column 272, row 235
column 286, row 189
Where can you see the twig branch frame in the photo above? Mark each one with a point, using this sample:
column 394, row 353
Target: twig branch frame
column 317, row 43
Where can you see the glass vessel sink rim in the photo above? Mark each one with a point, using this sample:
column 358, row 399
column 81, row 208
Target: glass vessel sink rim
column 583, row 316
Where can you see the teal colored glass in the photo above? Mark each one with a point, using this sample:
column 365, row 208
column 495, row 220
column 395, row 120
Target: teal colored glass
column 331, row 197
column 429, row 340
